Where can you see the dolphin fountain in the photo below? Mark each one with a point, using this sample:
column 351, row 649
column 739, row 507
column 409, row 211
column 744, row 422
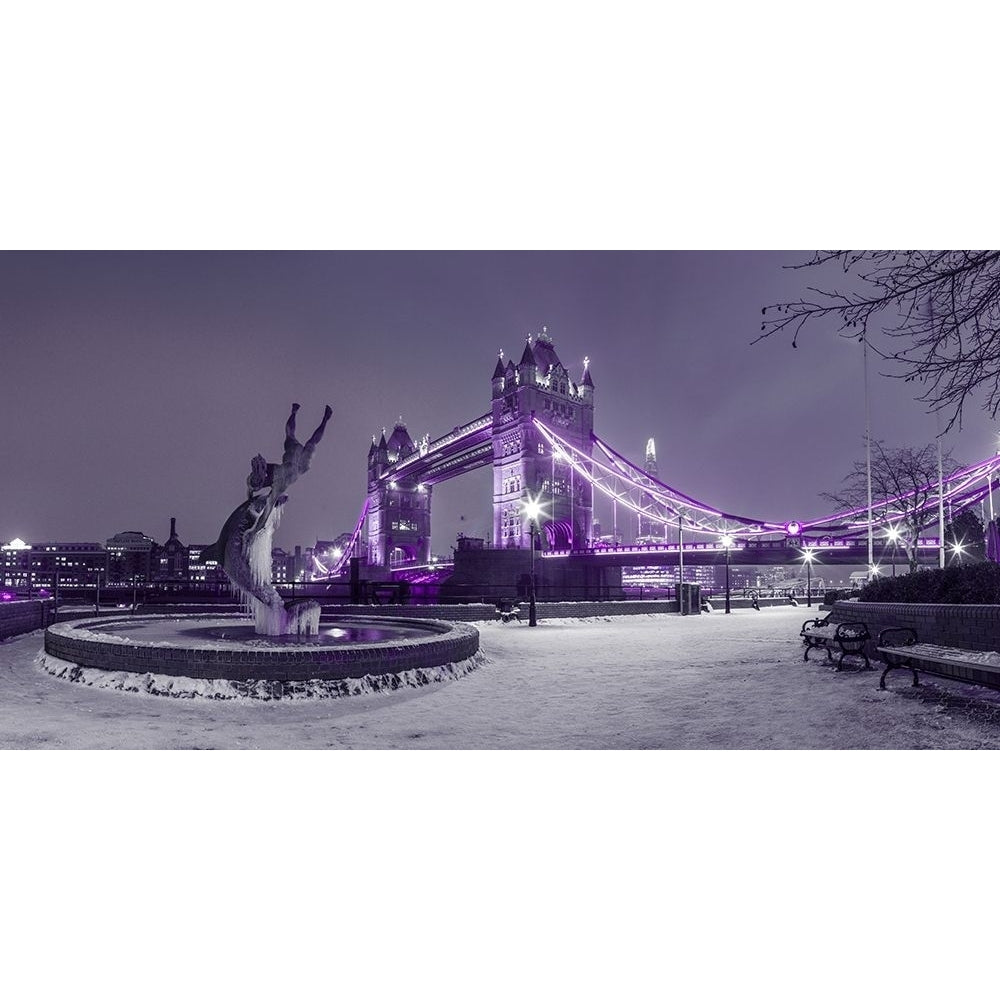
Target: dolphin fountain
column 243, row 549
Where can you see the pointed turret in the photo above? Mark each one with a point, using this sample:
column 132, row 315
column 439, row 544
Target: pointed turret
column 586, row 388
column 400, row 444
column 527, row 370
column 544, row 352
column 498, row 377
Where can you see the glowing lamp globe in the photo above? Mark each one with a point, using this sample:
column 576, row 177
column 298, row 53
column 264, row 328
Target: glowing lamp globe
column 532, row 508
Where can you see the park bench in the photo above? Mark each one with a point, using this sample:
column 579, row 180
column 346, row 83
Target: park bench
column 900, row 649
column 848, row 637
column 508, row 610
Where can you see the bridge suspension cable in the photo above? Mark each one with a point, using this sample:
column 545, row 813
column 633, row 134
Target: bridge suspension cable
column 625, row 483
column 350, row 547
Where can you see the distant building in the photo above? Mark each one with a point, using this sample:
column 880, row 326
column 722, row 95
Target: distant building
column 650, row 465
column 34, row 565
column 170, row 561
column 649, row 533
column 203, row 574
column 666, row 576
column 130, row 558
column 280, row 567
column 16, row 567
column 291, row 567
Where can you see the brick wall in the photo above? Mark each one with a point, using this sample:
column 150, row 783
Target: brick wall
column 968, row 626
column 487, row 612
column 17, row 617
column 543, row 609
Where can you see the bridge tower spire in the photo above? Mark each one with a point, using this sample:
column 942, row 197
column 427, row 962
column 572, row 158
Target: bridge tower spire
column 540, row 386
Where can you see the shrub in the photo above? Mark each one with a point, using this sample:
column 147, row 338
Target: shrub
column 840, row 594
column 976, row 584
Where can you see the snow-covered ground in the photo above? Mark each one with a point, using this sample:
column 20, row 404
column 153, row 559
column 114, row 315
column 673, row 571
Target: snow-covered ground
column 708, row 681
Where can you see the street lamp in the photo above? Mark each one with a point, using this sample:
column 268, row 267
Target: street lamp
column 727, row 543
column 532, row 508
column 892, row 534
column 808, row 555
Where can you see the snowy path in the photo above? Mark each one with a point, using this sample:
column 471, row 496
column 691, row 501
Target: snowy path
column 654, row 681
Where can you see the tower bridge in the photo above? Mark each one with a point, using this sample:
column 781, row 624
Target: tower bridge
column 538, row 436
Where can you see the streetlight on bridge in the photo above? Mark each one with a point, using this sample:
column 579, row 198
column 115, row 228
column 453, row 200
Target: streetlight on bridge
column 532, row 509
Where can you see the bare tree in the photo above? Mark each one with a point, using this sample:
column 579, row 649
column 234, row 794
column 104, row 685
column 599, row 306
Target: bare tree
column 934, row 312
column 904, row 480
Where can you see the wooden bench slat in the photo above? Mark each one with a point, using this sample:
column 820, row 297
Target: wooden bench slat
column 908, row 653
column 935, row 654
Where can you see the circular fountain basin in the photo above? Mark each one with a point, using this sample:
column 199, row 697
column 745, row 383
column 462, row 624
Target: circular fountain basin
column 222, row 647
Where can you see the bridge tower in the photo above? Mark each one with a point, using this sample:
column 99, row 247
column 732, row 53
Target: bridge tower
column 540, row 386
column 399, row 510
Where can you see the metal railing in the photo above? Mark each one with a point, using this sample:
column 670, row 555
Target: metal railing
column 150, row 596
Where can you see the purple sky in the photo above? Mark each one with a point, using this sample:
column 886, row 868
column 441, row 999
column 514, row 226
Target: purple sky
column 137, row 386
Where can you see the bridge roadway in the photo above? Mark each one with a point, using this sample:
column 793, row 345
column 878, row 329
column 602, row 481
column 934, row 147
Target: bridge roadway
column 751, row 553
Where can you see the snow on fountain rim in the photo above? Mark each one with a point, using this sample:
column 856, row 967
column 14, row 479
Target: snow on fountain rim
column 253, row 691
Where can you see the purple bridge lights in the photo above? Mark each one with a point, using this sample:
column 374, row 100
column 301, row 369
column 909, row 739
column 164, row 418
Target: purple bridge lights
column 538, row 436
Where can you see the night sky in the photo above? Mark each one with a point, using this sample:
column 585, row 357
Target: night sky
column 137, row 386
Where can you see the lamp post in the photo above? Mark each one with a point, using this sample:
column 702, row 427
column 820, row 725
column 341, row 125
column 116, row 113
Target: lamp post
column 892, row 534
column 727, row 544
column 680, row 560
column 809, row 555
column 532, row 614
column 532, row 508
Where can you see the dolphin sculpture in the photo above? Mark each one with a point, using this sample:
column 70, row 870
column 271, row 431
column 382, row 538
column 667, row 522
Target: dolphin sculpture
column 243, row 548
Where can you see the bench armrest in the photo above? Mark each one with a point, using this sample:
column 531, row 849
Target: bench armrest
column 814, row 623
column 852, row 630
column 898, row 635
